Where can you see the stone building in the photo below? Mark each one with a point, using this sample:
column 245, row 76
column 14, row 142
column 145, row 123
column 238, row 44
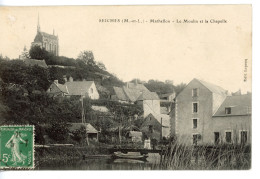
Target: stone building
column 204, row 113
column 49, row 42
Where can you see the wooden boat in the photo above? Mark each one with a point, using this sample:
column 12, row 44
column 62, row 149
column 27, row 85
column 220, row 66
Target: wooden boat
column 130, row 155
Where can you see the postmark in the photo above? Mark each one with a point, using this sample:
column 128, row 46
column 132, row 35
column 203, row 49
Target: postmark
column 17, row 147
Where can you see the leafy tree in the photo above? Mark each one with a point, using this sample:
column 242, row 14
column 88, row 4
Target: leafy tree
column 87, row 57
column 36, row 52
column 101, row 65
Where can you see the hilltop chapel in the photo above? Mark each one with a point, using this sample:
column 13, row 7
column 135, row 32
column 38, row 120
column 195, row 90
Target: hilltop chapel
column 47, row 41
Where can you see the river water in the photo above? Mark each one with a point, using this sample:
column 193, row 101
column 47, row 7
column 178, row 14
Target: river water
column 104, row 163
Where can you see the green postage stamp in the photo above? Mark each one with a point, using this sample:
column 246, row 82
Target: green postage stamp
column 17, row 147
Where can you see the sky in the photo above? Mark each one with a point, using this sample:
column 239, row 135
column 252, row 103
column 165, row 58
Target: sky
column 162, row 51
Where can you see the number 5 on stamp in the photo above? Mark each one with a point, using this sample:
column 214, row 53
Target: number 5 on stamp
column 17, row 147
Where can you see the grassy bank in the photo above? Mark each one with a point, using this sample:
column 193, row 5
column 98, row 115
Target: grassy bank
column 222, row 157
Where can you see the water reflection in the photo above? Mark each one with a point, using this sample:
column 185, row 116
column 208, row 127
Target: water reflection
column 101, row 164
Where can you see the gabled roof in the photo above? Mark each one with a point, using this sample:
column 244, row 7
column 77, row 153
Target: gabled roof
column 146, row 95
column 240, row 105
column 132, row 94
column 213, row 88
column 62, row 87
column 137, row 86
column 78, row 87
column 151, row 120
column 120, row 93
column 32, row 62
column 50, row 36
column 89, row 128
column 39, row 36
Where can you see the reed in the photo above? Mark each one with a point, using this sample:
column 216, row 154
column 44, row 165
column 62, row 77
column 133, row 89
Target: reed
column 206, row 157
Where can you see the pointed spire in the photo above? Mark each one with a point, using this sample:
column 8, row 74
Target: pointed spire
column 38, row 25
column 53, row 32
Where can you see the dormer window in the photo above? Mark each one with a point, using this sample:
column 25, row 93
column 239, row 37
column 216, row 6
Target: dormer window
column 228, row 110
column 195, row 92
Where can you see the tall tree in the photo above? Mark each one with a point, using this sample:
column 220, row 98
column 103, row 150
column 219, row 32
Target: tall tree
column 36, row 52
column 87, row 57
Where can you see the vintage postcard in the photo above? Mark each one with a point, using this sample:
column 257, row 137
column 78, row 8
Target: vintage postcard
column 126, row 87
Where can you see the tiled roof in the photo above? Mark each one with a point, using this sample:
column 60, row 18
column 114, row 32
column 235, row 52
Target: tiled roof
column 39, row 36
column 137, row 86
column 32, row 62
column 120, row 93
column 132, row 94
column 50, row 36
column 78, row 87
column 240, row 105
column 88, row 126
column 63, row 88
column 213, row 88
column 146, row 95
column 151, row 120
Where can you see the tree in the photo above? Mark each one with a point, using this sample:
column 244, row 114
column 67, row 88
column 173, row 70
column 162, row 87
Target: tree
column 36, row 52
column 87, row 57
column 101, row 65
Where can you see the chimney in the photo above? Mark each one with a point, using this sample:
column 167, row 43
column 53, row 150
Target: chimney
column 56, row 82
column 65, row 78
column 136, row 81
column 70, row 79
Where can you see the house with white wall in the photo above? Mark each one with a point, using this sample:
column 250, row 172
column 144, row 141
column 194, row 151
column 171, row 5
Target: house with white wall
column 204, row 113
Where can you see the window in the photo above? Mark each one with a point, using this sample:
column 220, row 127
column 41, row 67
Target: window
column 228, row 137
column 195, row 123
column 195, row 92
column 150, row 128
column 91, row 90
column 243, row 137
column 195, row 107
column 228, row 110
column 195, row 138
column 216, row 138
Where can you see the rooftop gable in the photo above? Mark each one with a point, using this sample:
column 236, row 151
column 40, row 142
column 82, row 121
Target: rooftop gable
column 146, row 95
column 89, row 128
column 62, row 87
column 32, row 62
column 78, row 87
column 132, row 94
column 120, row 93
column 136, row 86
column 213, row 88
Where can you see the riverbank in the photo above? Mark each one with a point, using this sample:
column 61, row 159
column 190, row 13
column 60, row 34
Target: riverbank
column 65, row 154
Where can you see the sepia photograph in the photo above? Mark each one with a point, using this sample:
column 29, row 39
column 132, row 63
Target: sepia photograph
column 137, row 87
